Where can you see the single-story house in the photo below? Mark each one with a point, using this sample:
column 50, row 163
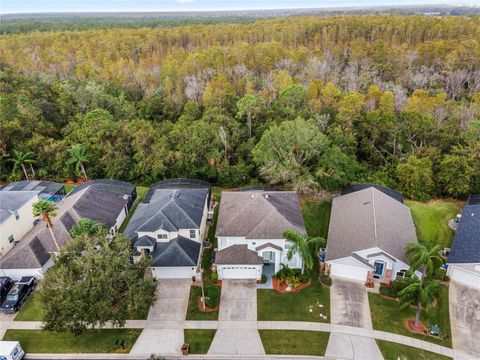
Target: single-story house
column 47, row 190
column 250, row 230
column 16, row 217
column 169, row 225
column 464, row 258
column 368, row 232
column 106, row 204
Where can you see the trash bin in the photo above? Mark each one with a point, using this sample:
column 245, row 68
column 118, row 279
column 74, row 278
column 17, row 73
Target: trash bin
column 185, row 348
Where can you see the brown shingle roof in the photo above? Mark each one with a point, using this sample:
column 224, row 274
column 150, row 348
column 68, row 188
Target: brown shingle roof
column 237, row 255
column 367, row 219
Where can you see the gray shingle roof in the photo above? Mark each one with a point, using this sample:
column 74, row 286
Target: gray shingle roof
column 145, row 241
column 177, row 252
column 466, row 246
column 237, row 255
column 386, row 190
column 259, row 214
column 11, row 201
column 369, row 218
column 170, row 210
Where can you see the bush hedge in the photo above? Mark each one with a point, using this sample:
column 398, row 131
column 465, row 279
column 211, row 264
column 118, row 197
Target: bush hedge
column 212, row 296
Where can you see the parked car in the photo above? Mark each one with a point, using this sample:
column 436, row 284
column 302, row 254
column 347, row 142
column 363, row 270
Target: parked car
column 5, row 285
column 18, row 294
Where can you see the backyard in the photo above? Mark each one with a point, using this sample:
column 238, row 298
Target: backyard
column 199, row 340
column 387, row 316
column 316, row 215
column 392, row 351
column 291, row 342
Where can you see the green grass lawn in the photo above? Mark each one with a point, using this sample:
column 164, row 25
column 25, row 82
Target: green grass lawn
column 193, row 312
column 393, row 351
column 275, row 306
column 316, row 215
column 199, row 340
column 141, row 192
column 31, row 310
column 387, row 316
column 92, row 341
column 431, row 219
column 291, row 342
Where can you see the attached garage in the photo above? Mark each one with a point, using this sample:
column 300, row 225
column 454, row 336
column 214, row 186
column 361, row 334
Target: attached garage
column 174, row 272
column 350, row 268
column 239, row 271
column 238, row 262
column 468, row 277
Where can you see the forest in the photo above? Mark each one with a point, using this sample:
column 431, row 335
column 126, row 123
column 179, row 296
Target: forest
column 308, row 103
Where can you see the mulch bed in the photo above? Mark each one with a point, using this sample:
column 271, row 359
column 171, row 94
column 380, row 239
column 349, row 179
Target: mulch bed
column 323, row 284
column 281, row 287
column 388, row 297
column 419, row 330
column 207, row 309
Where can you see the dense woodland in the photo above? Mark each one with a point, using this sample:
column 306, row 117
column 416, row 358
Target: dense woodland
column 304, row 102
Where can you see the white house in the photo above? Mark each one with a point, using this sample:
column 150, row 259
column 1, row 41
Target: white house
column 169, row 225
column 16, row 217
column 464, row 258
column 369, row 230
column 250, row 232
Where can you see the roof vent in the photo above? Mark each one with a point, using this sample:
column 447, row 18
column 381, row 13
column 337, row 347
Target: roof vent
column 252, row 196
column 125, row 197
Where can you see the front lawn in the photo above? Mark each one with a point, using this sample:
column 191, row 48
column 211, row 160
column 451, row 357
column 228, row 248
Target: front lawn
column 193, row 312
column 32, row 310
column 292, row 342
column 91, row 341
column 275, row 306
column 387, row 316
column 199, row 340
column 141, row 192
column 393, row 351
column 431, row 219
column 316, row 215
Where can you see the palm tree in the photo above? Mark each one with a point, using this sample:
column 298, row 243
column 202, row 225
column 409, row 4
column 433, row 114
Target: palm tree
column 21, row 159
column 303, row 245
column 87, row 228
column 78, row 157
column 45, row 210
column 424, row 255
column 419, row 293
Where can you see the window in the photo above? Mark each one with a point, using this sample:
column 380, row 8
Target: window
column 192, row 234
column 162, row 236
column 17, row 216
column 11, row 239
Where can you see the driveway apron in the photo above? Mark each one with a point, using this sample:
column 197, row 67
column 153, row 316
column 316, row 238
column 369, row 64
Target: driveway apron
column 163, row 334
column 237, row 332
column 350, row 307
column 465, row 321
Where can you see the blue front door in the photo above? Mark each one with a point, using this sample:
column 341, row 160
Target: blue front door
column 379, row 267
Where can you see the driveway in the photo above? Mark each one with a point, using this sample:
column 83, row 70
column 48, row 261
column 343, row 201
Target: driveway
column 465, row 320
column 349, row 307
column 237, row 332
column 163, row 333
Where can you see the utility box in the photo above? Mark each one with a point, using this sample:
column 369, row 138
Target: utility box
column 11, row 350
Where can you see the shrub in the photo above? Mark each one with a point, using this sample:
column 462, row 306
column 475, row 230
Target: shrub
column 326, row 280
column 304, row 278
column 440, row 274
column 292, row 281
column 212, row 295
column 386, row 290
column 214, row 277
column 284, row 272
column 264, row 279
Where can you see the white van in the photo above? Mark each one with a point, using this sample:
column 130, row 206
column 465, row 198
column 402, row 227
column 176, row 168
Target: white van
column 11, row 350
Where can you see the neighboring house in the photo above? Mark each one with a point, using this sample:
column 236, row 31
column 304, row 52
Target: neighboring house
column 47, row 190
column 16, row 217
column 169, row 225
column 369, row 230
column 250, row 232
column 464, row 258
column 95, row 200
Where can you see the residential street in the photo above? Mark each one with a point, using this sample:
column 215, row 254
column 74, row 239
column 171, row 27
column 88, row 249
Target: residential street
column 465, row 321
column 237, row 332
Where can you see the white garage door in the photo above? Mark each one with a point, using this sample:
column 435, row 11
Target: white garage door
column 173, row 272
column 239, row 272
column 350, row 272
column 465, row 277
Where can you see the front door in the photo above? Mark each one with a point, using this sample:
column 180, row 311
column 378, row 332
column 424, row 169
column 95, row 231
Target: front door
column 379, row 269
column 268, row 257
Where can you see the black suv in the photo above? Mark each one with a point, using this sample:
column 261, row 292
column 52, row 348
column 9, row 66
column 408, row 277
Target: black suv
column 18, row 294
column 5, row 285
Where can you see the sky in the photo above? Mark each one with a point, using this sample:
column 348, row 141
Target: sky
column 42, row 6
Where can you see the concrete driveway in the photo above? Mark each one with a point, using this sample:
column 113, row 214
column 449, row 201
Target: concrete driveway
column 465, row 320
column 349, row 307
column 163, row 334
column 237, row 332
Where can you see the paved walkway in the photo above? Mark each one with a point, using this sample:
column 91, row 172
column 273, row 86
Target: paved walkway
column 163, row 330
column 350, row 307
column 237, row 332
column 465, row 321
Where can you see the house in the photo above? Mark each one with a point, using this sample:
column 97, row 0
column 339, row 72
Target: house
column 47, row 190
column 250, row 230
column 169, row 226
column 16, row 217
column 369, row 230
column 464, row 258
column 100, row 200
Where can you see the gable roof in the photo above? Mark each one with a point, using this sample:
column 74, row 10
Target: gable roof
column 169, row 210
column 259, row 214
column 11, row 201
column 386, row 190
column 366, row 219
column 177, row 252
column 466, row 245
column 238, row 255
column 44, row 188
column 145, row 241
